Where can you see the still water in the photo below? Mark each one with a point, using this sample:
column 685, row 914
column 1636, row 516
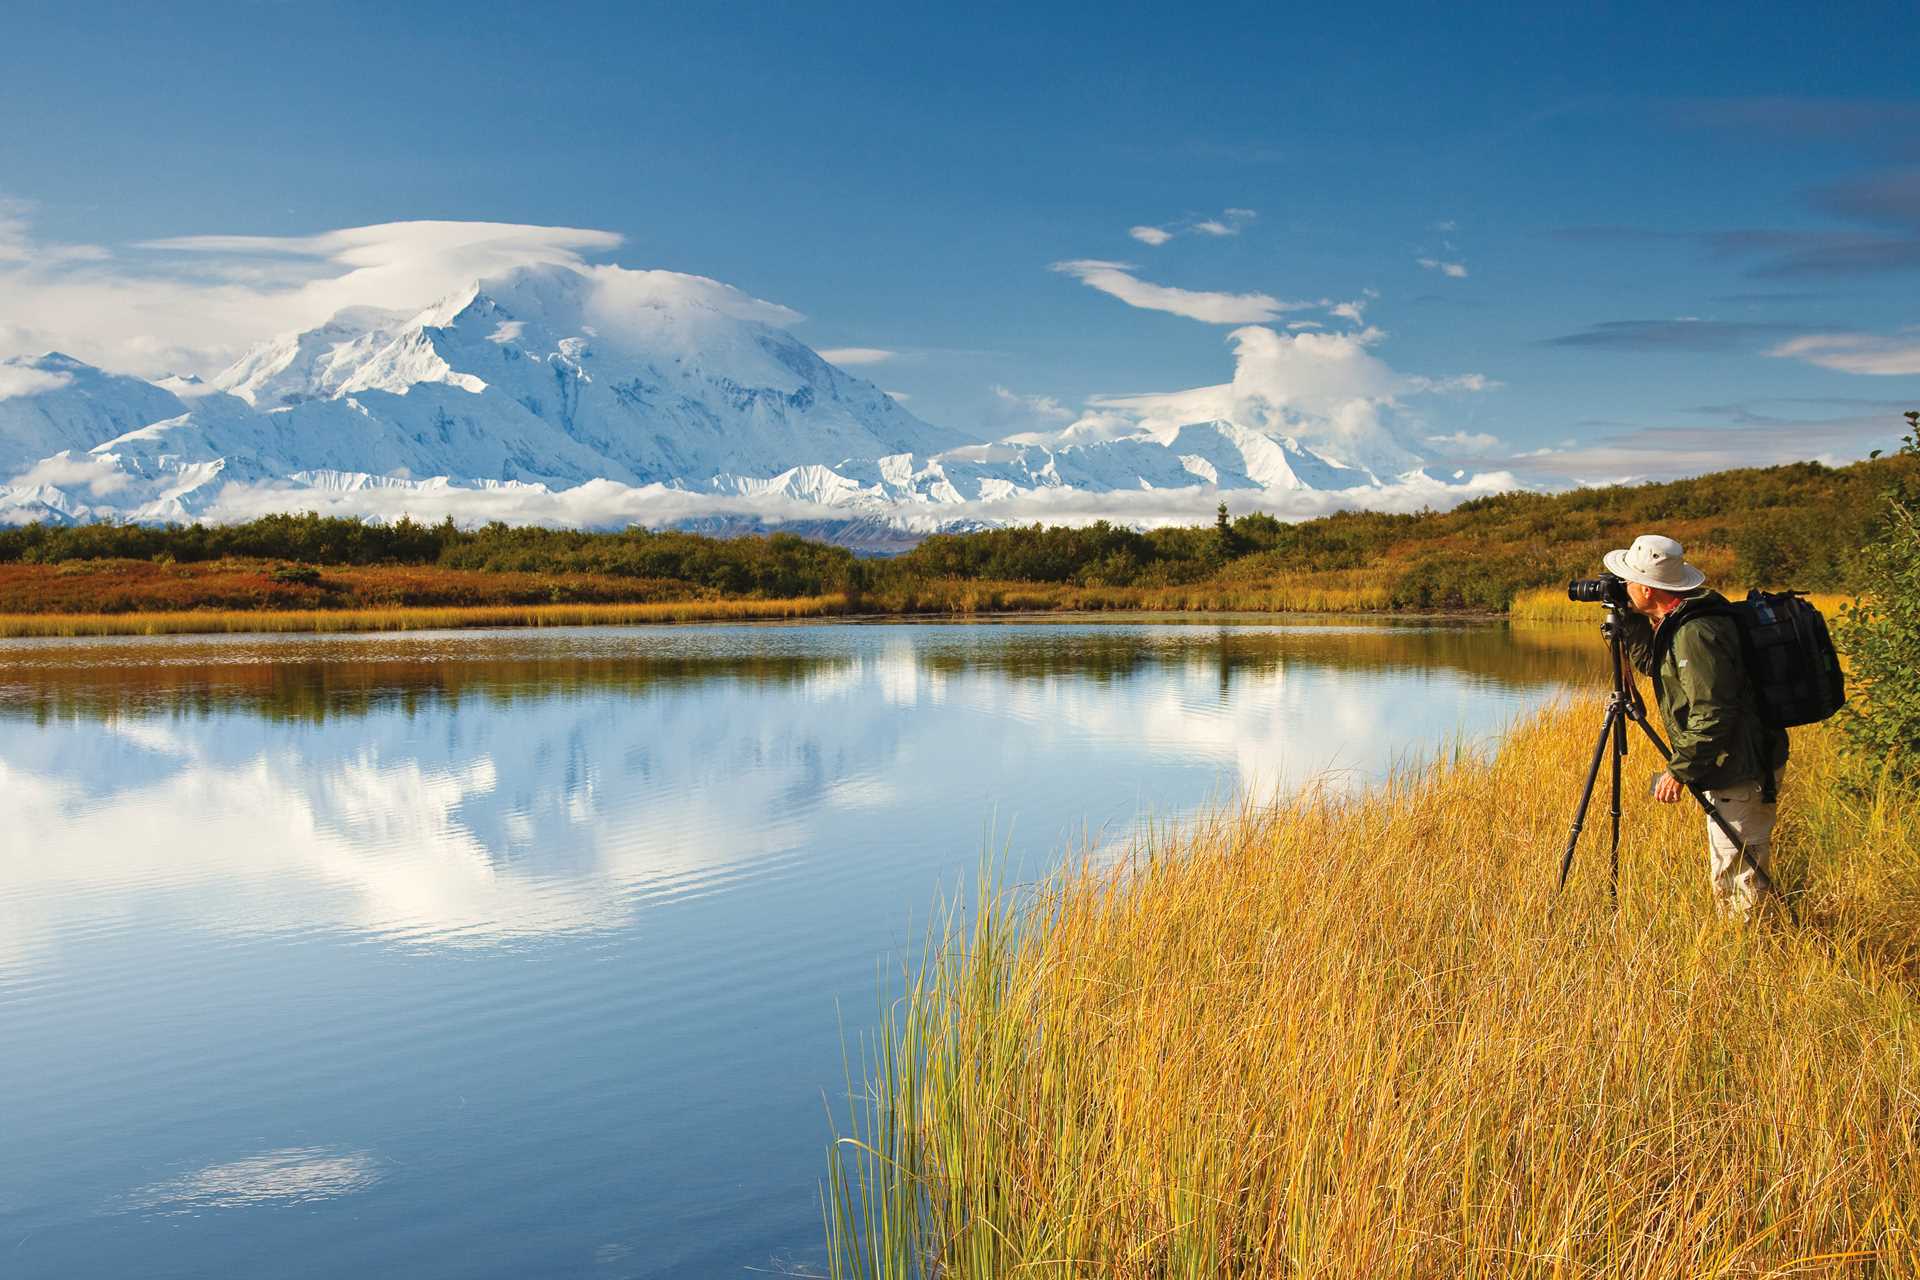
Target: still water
column 531, row 954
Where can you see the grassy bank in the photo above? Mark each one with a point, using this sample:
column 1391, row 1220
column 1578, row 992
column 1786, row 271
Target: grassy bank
column 143, row 599
column 1331, row 591
column 219, row 621
column 1361, row 1038
column 1338, row 592
column 123, row 597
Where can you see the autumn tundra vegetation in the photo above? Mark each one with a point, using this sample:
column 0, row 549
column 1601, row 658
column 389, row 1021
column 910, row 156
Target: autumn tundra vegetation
column 1791, row 526
column 1348, row 1035
column 1361, row 1038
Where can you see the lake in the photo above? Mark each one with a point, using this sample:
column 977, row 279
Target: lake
column 532, row 953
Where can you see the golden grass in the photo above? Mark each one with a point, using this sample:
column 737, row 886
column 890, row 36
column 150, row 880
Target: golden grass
column 1328, row 593
column 1550, row 604
column 1340, row 591
column 414, row 619
column 1362, row 1038
column 1336, row 591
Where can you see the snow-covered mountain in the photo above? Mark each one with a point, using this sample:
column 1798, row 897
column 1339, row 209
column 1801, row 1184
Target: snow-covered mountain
column 55, row 402
column 589, row 395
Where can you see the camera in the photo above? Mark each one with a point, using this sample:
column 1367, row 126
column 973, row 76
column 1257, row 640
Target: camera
column 1605, row 589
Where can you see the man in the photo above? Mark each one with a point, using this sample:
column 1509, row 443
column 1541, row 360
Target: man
column 1720, row 745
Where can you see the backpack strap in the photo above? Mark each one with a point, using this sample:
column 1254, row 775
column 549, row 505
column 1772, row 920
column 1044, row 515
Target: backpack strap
column 1664, row 633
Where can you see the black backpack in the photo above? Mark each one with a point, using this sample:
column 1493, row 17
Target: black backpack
column 1790, row 658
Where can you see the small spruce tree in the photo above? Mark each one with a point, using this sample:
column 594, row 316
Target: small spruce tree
column 1226, row 543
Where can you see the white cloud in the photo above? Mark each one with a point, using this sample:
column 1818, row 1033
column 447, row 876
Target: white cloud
column 1665, row 452
column 1328, row 390
column 1118, row 280
column 849, row 356
column 623, row 298
column 901, row 396
column 1455, row 382
column 1857, row 352
column 404, row 244
column 67, row 470
column 1464, row 442
column 193, row 303
column 1229, row 223
column 17, row 244
column 1011, row 410
column 24, row 380
column 1455, row 270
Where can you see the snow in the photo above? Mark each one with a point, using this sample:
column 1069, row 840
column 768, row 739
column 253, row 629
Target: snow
column 54, row 402
column 571, row 394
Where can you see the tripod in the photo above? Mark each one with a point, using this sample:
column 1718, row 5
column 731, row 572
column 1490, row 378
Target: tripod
column 1624, row 704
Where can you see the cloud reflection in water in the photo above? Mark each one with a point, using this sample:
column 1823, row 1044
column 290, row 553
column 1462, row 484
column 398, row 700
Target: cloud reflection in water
column 292, row 1176
column 508, row 789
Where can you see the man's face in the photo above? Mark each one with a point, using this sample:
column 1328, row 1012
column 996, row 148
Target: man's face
column 1650, row 601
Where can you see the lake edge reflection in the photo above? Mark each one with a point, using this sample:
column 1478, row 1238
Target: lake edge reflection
column 426, row 929
column 311, row 677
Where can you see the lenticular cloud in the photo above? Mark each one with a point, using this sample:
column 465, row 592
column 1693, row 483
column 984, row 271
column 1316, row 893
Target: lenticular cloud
column 191, row 304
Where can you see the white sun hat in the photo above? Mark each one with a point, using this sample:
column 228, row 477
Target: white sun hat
column 1654, row 561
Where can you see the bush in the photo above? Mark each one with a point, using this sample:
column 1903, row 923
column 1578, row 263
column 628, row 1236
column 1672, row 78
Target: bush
column 1880, row 636
column 1786, row 548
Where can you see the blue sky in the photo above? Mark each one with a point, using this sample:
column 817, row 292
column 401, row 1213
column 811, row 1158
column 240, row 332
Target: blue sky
column 1689, row 235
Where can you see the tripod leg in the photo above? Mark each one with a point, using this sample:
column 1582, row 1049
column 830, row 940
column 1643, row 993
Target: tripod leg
column 1613, row 852
column 1586, row 793
column 1641, row 720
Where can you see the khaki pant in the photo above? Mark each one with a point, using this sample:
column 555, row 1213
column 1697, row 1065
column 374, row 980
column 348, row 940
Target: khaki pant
column 1736, row 889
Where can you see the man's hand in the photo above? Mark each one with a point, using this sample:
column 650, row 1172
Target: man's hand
column 1667, row 789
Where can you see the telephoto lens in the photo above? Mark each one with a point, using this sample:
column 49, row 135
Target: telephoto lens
column 1605, row 589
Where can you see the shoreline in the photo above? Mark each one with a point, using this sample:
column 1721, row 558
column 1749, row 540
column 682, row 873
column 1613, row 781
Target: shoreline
column 1539, row 607
column 821, row 609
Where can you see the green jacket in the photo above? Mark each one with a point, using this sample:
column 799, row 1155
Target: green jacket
column 1713, row 720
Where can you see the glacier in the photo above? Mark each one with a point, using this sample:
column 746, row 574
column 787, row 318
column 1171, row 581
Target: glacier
column 602, row 396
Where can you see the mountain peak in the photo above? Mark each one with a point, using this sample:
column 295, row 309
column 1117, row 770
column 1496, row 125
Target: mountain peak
column 577, row 394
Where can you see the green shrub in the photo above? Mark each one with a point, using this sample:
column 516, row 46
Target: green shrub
column 296, row 575
column 1880, row 635
column 1786, row 548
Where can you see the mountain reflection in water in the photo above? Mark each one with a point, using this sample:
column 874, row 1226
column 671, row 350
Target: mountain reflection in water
column 312, row 678
column 467, row 790
column 419, row 932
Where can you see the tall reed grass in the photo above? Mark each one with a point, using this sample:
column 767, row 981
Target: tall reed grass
column 1337, row 591
column 1358, row 591
column 1360, row 1037
column 957, row 597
